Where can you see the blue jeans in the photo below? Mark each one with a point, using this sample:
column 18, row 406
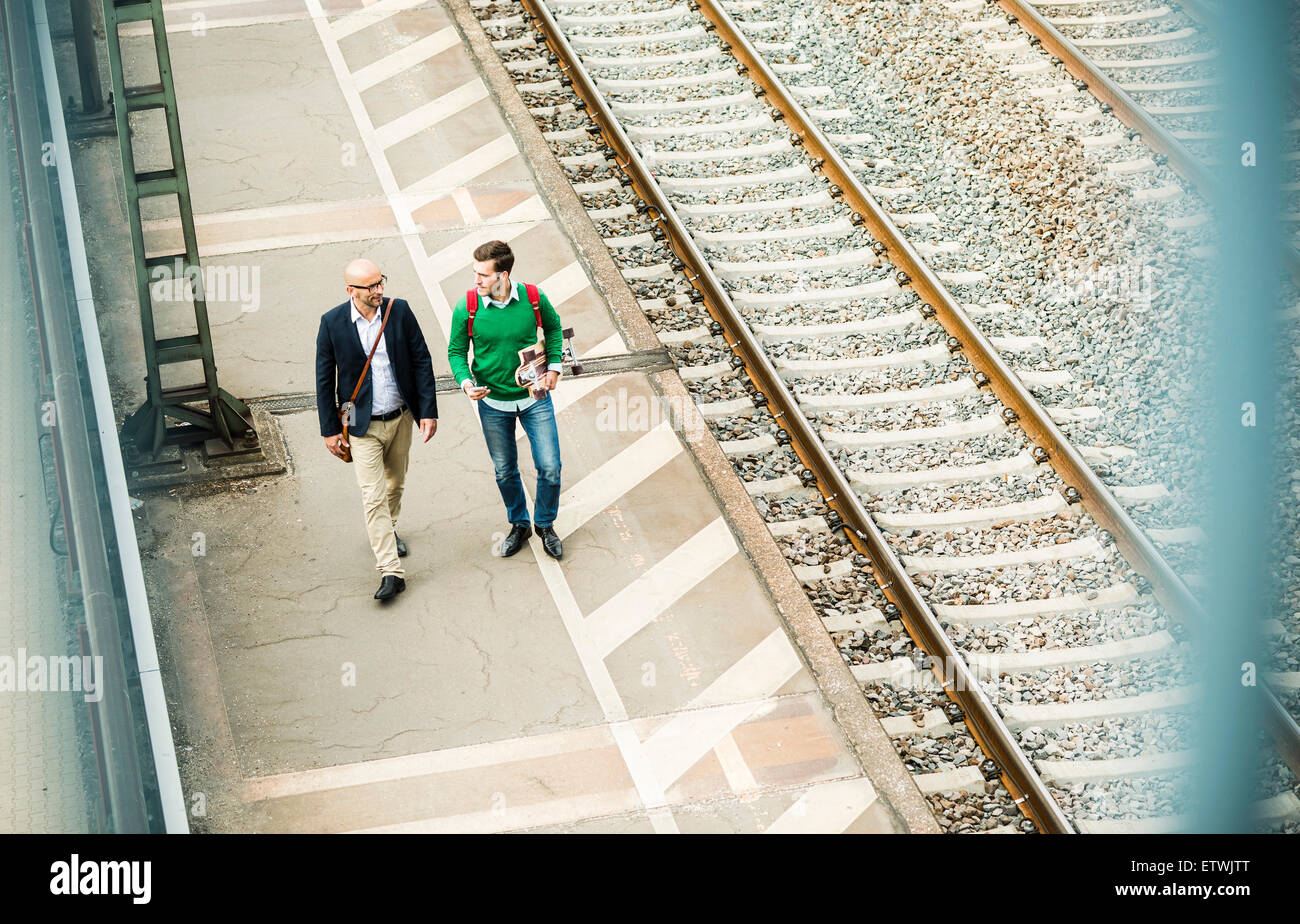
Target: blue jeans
column 499, row 431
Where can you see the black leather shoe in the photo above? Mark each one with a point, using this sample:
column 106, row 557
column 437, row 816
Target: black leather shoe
column 401, row 546
column 550, row 541
column 515, row 540
column 390, row 587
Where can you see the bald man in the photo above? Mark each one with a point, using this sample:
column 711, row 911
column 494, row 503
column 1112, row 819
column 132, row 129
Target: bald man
column 398, row 389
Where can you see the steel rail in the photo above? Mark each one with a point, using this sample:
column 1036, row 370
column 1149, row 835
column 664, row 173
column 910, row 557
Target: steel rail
column 1207, row 13
column 1032, row 417
column 958, row 681
column 1100, row 85
column 127, row 806
column 1286, row 733
column 970, row 339
column 1284, row 729
column 1127, row 110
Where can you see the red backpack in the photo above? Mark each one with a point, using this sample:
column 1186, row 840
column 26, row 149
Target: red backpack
column 471, row 305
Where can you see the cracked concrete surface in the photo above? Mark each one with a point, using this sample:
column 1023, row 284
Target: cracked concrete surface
column 287, row 582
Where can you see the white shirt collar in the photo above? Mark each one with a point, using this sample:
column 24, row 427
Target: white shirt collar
column 514, row 293
column 358, row 316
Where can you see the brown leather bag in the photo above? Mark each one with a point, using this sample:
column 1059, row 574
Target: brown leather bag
column 346, row 410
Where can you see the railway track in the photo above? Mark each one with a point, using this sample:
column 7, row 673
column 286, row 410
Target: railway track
column 1155, row 67
column 877, row 411
column 1153, row 63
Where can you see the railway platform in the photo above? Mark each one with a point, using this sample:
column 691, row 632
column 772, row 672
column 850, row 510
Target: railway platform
column 669, row 675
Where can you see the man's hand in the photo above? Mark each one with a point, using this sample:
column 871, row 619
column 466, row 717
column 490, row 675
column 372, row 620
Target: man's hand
column 336, row 445
column 428, row 427
column 545, row 383
column 474, row 391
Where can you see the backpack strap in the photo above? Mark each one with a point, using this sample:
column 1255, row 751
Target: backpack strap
column 534, row 299
column 471, row 306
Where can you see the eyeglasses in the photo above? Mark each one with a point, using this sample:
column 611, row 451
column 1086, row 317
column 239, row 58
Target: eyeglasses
column 373, row 285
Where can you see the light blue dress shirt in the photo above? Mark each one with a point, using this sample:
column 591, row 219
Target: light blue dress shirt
column 383, row 382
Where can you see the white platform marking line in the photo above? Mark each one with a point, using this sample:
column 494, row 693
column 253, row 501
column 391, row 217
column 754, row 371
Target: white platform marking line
column 457, row 256
column 431, row 113
column 612, row 345
column 663, row 821
column 532, row 815
column 739, row 777
column 563, row 285
column 465, row 203
column 763, row 670
column 285, row 241
column 460, row 171
column 746, row 687
column 828, row 808
column 643, row 600
column 366, row 16
column 267, row 213
column 391, row 65
column 647, row 786
column 570, row 392
column 614, row 478
column 145, row 29
column 689, row 736
column 602, row 684
column 427, row 763
column 187, row 5
column 383, row 170
column 640, row 768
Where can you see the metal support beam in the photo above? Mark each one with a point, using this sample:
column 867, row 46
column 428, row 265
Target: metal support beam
column 203, row 411
column 83, row 35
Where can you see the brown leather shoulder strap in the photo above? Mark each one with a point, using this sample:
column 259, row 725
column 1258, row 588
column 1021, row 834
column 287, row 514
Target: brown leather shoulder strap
column 366, row 368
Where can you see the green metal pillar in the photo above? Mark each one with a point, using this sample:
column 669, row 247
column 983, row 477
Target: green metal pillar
column 203, row 411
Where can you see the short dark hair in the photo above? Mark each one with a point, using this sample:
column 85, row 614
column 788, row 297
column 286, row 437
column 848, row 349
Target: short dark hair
column 499, row 252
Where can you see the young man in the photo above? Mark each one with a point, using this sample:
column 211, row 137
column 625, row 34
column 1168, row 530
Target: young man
column 504, row 323
column 398, row 385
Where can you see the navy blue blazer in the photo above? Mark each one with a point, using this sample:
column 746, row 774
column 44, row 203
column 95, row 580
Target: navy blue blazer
column 339, row 359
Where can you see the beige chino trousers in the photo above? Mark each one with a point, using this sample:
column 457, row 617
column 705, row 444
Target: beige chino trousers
column 380, row 459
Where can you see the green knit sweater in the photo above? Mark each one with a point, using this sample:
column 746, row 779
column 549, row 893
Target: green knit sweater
column 499, row 335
